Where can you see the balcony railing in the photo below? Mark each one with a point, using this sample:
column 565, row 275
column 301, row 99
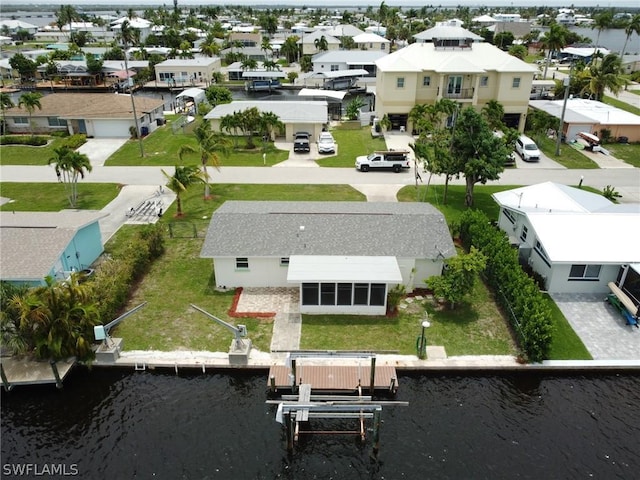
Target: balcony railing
column 461, row 93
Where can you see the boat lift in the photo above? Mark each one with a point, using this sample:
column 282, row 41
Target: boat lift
column 110, row 348
column 240, row 345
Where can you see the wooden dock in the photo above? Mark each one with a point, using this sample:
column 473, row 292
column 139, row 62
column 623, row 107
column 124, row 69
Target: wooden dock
column 334, row 378
column 27, row 371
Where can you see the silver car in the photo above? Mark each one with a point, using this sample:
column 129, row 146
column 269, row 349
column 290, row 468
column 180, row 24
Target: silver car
column 326, row 143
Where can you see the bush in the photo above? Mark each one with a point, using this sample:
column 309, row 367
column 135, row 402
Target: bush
column 60, row 133
column 516, row 292
column 23, row 140
column 75, row 141
column 115, row 277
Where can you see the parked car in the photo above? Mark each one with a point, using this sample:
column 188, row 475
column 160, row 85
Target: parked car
column 395, row 160
column 527, row 149
column 301, row 142
column 326, row 143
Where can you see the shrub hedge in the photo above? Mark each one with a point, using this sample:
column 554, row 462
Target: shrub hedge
column 75, row 141
column 115, row 277
column 516, row 292
column 34, row 141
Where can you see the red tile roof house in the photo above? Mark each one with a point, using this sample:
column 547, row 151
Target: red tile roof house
column 98, row 115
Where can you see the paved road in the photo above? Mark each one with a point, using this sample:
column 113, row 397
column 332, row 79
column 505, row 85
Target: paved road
column 625, row 181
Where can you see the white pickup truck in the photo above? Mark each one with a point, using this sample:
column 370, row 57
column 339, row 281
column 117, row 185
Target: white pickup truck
column 395, row 160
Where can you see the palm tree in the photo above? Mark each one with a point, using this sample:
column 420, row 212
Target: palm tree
column 493, row 113
column 210, row 144
column 249, row 64
column 290, row 48
column 607, row 75
column 266, row 46
column 553, row 40
column 127, row 34
column 61, row 317
column 181, row 180
column 30, row 101
column 70, row 166
column 5, row 102
column 417, row 115
column 321, row 44
column 629, row 29
column 601, row 21
column 270, row 123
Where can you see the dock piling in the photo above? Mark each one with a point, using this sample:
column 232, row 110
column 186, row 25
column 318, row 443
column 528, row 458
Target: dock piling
column 56, row 374
column 7, row 386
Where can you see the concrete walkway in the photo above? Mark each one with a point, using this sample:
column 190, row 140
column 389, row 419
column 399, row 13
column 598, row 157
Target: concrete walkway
column 100, row 149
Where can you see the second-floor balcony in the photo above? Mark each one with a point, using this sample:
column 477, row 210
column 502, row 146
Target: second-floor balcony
column 458, row 93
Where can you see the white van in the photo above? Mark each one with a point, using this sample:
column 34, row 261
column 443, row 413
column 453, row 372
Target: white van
column 527, row 149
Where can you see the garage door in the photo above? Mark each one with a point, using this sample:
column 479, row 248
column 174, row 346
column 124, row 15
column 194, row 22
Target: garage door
column 110, row 128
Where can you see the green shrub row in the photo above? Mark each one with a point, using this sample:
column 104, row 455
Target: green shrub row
column 23, row 140
column 116, row 276
column 516, row 292
column 75, row 141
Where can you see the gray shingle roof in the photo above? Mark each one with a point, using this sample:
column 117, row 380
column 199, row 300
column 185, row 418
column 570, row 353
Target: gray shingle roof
column 243, row 228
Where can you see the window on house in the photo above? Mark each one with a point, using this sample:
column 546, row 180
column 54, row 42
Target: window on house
column 382, row 46
column 56, row 122
column 539, row 249
column 371, row 45
column 400, row 82
column 484, row 81
column 361, row 294
column 310, row 294
column 584, row 272
column 426, row 81
column 510, row 216
column 516, row 82
column 523, row 233
column 242, row 263
column 378, row 291
column 344, row 293
column 21, row 120
column 284, row 261
column 327, row 294
column 335, row 68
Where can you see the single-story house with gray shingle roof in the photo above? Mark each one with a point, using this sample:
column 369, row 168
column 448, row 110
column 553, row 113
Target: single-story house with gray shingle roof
column 99, row 115
column 297, row 116
column 40, row 244
column 343, row 256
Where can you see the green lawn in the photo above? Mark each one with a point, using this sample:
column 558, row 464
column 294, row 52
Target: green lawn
column 474, row 328
column 621, row 105
column 26, row 155
column 161, row 148
column 630, row 153
column 51, row 197
column 566, row 345
column 351, row 144
column 180, row 277
column 569, row 156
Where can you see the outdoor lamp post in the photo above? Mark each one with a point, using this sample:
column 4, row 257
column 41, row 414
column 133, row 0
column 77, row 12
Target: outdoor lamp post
column 422, row 349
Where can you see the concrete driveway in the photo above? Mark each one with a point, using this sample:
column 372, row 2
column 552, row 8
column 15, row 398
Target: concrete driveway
column 100, row 149
column 600, row 327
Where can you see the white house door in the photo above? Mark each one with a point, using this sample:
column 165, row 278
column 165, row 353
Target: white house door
column 455, row 85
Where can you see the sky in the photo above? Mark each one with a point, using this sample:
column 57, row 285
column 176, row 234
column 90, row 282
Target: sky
column 336, row 3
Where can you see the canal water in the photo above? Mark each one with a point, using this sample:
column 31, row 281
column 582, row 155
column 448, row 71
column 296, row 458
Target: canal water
column 110, row 423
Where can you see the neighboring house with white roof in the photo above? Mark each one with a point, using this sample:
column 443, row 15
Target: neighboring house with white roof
column 307, row 42
column 187, row 72
column 99, row 115
column 343, row 256
column 40, row 244
column 468, row 72
column 576, row 240
column 14, row 26
column 371, row 41
column 339, row 60
column 583, row 115
column 141, row 24
column 297, row 116
column 342, row 30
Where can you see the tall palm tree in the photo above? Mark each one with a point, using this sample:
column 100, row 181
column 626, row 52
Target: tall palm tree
column 5, row 102
column 30, row 101
column 127, row 33
column 270, row 123
column 493, row 113
column 553, row 40
column 210, row 145
column 70, row 167
column 632, row 27
column 601, row 21
column 181, row 180
column 321, row 44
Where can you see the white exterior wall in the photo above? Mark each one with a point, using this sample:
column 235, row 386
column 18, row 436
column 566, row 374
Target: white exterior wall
column 559, row 280
column 426, row 268
column 343, row 309
column 262, row 272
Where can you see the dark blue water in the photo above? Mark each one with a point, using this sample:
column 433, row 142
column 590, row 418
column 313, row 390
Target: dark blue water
column 121, row 424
